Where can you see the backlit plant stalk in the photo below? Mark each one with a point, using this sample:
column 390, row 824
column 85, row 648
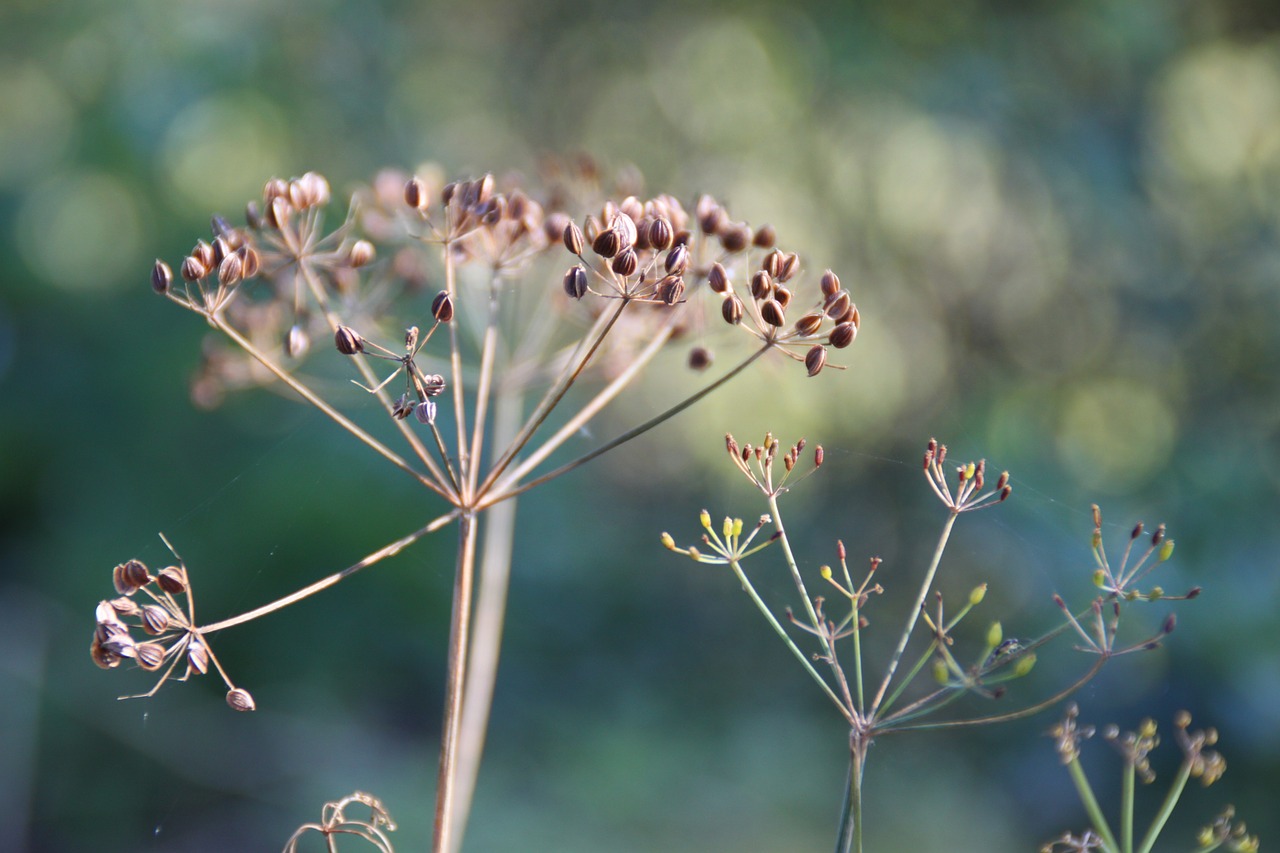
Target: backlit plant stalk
column 899, row 701
column 458, row 274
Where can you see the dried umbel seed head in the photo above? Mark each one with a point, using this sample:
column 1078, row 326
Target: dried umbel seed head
column 625, row 262
column 842, row 335
column 172, row 579
column 240, row 700
column 442, row 307
column 699, row 358
column 130, row 576
column 732, row 309
column 575, row 282
column 815, row 359
column 161, row 277
column 718, row 279
column 348, row 340
column 573, row 239
column 297, row 341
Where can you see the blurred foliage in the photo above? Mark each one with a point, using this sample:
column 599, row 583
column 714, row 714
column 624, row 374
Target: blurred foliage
column 1059, row 221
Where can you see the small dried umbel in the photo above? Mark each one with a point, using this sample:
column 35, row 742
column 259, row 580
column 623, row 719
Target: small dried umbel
column 167, row 629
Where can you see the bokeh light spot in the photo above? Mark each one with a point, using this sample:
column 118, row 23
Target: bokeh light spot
column 218, row 152
column 82, row 232
column 36, row 123
column 1115, row 434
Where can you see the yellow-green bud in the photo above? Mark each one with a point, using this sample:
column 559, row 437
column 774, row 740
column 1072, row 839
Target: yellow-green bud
column 969, row 471
column 940, row 673
column 668, row 541
column 979, row 592
column 694, row 553
column 1097, row 539
column 705, row 518
column 1157, row 593
column 1166, row 550
column 737, row 527
column 825, row 571
column 994, row 635
column 1024, row 664
column 728, row 527
column 1099, row 577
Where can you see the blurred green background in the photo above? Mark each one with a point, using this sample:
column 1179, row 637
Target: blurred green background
column 1059, row 221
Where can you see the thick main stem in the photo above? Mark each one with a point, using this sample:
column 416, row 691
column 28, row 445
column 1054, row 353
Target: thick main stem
column 446, row 837
column 849, row 836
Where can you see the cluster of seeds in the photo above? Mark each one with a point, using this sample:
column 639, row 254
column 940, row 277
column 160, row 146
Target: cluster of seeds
column 167, row 631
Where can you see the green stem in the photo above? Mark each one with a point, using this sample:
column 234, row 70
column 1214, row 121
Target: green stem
column 1126, row 807
column 799, row 581
column 1166, row 808
column 849, row 836
column 915, row 611
column 1091, row 806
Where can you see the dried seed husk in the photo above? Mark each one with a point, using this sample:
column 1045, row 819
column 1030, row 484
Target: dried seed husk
column 415, row 193
column 172, row 579
column 761, row 285
column 625, row 262
column 278, row 212
column 699, row 358
column 718, row 279
column 198, row 655
column 830, row 283
column 809, row 323
column 192, row 269
column 250, row 263
column 240, row 700
column 297, row 342
column 575, row 282
column 772, row 263
column 660, row 233
column 842, row 335
column 836, row 304
column 161, row 277
column 155, row 619
column 765, row 236
column 732, row 309
column 150, row 656
column 348, row 340
column 124, row 606
column 573, row 239
column 425, row 412
column 771, row 312
column 103, row 658
column 789, row 266
column 120, row 644
column 677, row 260
column 606, row 243
column 735, row 236
column 670, row 289
column 105, row 613
column 442, row 307
column 783, row 296
column 815, row 359
column 361, row 252
column 625, row 227
column 130, row 576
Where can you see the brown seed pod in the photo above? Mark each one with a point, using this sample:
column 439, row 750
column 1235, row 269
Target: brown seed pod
column 625, row 262
column 275, row 188
column 735, row 236
column 830, row 283
column 172, row 579
column 809, row 324
column 361, row 253
column 718, row 279
column 250, row 263
column 765, row 237
column 606, row 243
column 130, row 576
column 573, row 238
column 442, row 307
column 660, row 233
column 155, row 619
column 625, row 227
column 836, row 304
column 230, row 271
column 761, row 285
column 670, row 289
column 842, row 335
column 732, row 309
column 150, row 656
column 348, row 340
column 789, row 266
column 103, row 658
column 710, row 214
column 198, row 655
column 699, row 358
column 677, row 260
column 278, row 212
column 782, row 295
column 240, row 700
column 772, row 263
column 415, row 193
column 771, row 312
column 161, row 277
column 124, row 606
column 575, row 282
column 192, row 269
